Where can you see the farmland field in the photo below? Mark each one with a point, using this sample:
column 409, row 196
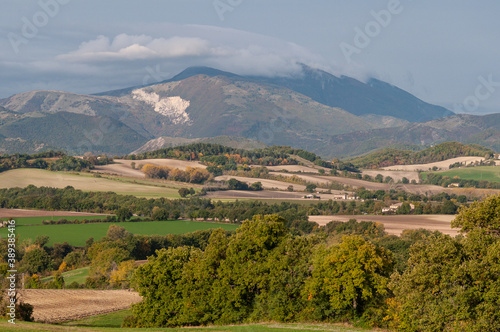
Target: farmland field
column 83, row 181
column 23, row 221
column 395, row 224
column 77, row 234
column 78, row 275
column 109, row 324
column 21, row 213
column 487, row 173
column 439, row 164
column 55, row 305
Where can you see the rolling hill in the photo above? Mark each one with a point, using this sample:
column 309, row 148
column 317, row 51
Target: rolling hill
column 231, row 141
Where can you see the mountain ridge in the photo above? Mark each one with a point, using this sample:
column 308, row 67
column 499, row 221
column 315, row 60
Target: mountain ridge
column 206, row 102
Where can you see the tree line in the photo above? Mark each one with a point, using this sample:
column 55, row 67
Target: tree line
column 51, row 160
column 264, row 273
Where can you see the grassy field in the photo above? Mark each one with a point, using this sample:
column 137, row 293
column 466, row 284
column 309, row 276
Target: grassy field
column 111, row 322
column 78, row 275
column 85, row 181
column 77, row 234
column 24, row 221
column 487, row 173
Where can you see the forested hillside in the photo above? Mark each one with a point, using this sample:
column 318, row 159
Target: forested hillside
column 443, row 151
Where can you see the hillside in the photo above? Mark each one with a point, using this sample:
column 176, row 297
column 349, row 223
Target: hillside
column 230, row 141
column 373, row 97
column 440, row 152
column 483, row 130
column 76, row 133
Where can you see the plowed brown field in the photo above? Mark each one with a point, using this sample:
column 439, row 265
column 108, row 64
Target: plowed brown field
column 58, row 305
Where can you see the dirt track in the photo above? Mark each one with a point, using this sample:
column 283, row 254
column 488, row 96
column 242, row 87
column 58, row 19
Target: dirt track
column 395, row 224
column 57, row 305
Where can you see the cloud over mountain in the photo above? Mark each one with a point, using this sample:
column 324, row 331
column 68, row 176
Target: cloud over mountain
column 138, row 47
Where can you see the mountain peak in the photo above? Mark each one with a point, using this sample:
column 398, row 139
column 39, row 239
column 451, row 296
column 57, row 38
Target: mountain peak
column 200, row 70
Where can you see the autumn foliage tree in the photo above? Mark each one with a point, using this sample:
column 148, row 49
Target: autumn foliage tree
column 190, row 174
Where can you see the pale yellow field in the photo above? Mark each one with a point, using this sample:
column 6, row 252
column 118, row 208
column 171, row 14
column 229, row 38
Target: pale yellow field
column 396, row 175
column 123, row 167
column 395, row 224
column 267, row 184
column 174, row 163
column 24, row 177
column 443, row 165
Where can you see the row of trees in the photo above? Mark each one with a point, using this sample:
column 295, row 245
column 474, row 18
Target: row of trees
column 190, row 174
column 54, row 161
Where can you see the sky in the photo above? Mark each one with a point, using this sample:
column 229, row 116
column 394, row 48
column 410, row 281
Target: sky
column 444, row 52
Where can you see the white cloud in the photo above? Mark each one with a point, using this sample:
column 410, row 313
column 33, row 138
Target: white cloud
column 136, row 47
column 227, row 49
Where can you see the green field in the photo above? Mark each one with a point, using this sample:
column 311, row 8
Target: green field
column 77, row 234
column 78, row 275
column 111, row 322
column 23, row 221
column 487, row 173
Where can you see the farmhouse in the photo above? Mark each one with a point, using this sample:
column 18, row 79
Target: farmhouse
column 344, row 197
column 394, row 207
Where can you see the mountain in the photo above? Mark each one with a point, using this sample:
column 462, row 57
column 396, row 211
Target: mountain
column 372, row 98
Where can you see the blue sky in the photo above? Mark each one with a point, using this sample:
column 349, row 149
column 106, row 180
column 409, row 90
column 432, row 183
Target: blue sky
column 444, row 52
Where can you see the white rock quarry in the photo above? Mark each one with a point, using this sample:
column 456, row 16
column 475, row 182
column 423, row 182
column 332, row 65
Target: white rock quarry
column 173, row 108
